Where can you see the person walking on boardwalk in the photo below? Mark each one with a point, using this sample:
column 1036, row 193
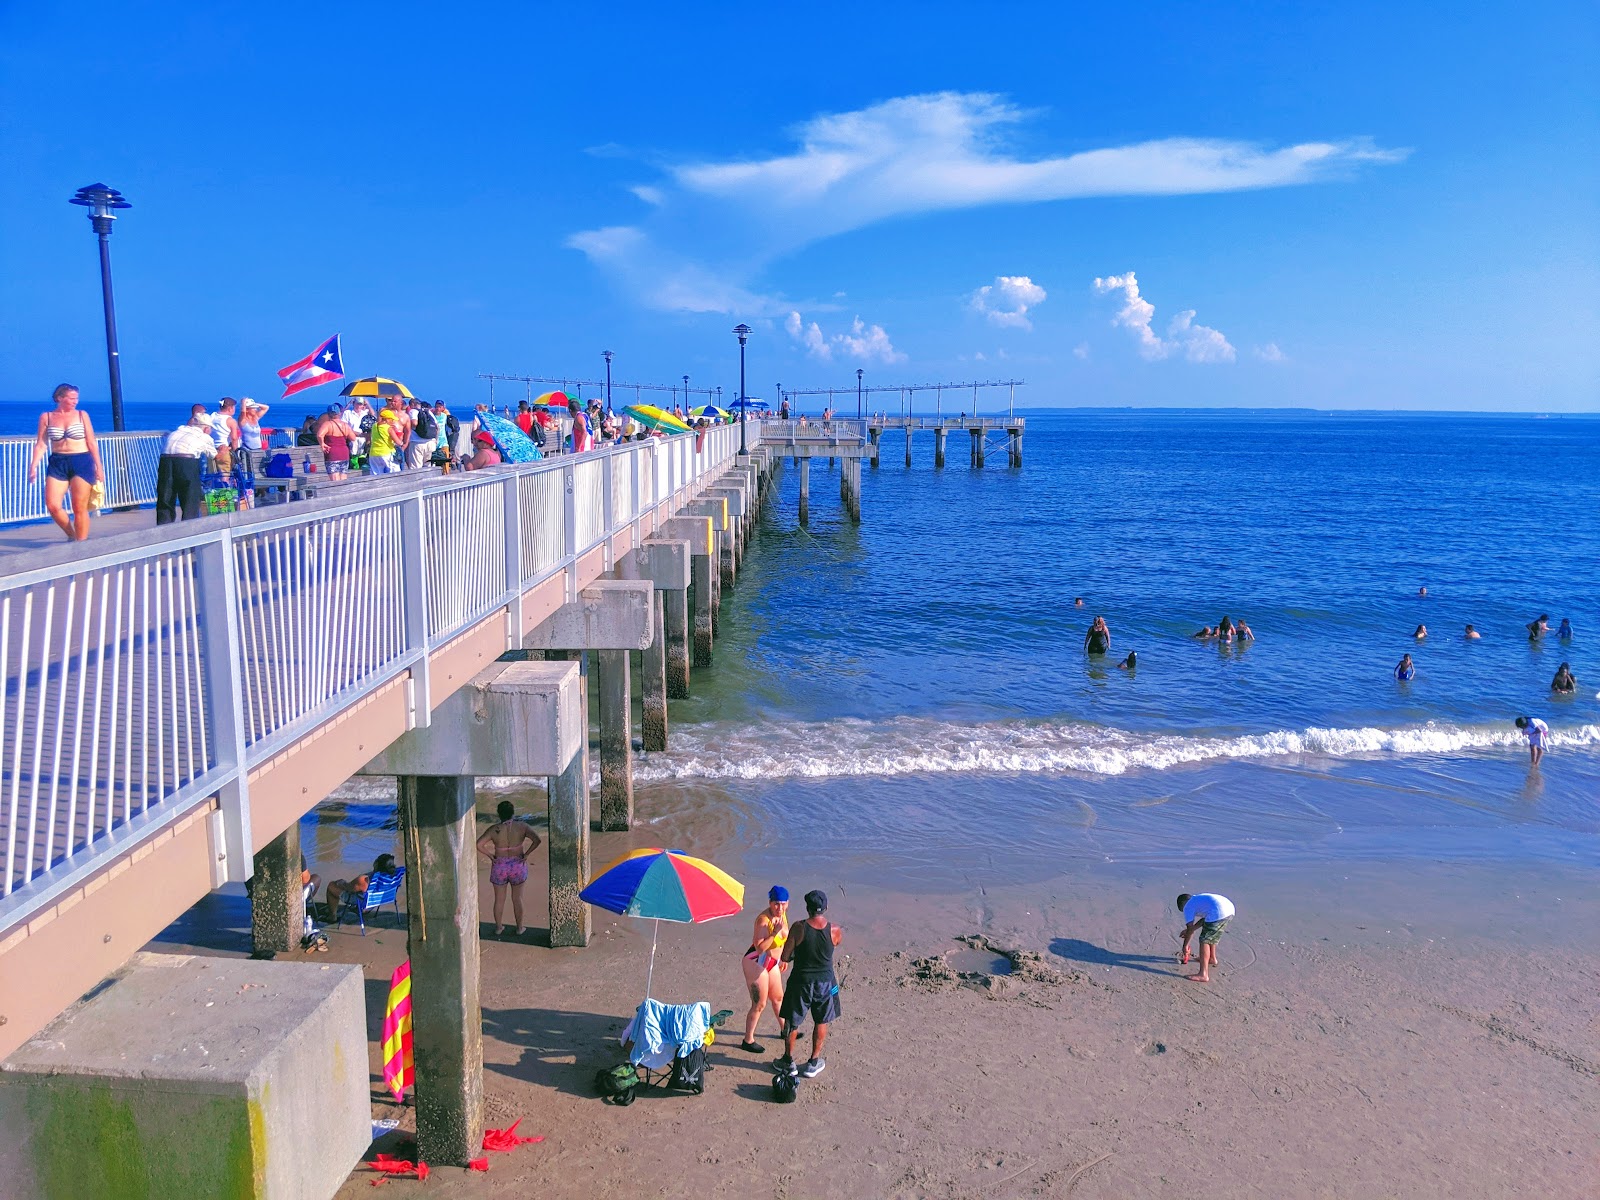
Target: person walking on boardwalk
column 763, row 971
column 74, row 465
column 813, row 987
column 1538, row 734
column 1098, row 639
column 507, row 844
column 178, row 485
column 1207, row 914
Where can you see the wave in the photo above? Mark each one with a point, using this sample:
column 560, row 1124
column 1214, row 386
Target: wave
column 914, row 746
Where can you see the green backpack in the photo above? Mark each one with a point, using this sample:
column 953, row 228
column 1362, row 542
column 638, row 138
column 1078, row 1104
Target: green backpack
column 617, row 1084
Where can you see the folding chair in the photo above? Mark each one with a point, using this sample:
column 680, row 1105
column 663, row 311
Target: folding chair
column 381, row 889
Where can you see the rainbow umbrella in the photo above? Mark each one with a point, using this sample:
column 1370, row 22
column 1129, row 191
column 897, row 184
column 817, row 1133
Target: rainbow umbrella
column 553, row 400
column 664, row 885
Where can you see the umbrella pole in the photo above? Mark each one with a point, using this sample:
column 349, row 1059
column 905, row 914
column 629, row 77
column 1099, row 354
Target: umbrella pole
column 650, row 976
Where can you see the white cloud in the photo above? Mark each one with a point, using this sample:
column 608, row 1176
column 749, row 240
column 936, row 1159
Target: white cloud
column 864, row 343
column 1007, row 300
column 1270, row 353
column 1197, row 343
column 720, row 225
column 649, row 194
column 1081, row 350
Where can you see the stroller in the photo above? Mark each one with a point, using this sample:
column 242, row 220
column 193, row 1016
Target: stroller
column 666, row 1047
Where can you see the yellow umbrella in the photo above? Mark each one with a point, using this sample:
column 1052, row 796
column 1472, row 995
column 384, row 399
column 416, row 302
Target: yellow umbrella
column 377, row 386
column 652, row 417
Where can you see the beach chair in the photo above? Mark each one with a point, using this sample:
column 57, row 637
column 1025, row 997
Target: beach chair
column 381, row 889
column 666, row 1047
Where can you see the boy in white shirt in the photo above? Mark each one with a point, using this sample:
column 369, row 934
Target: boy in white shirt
column 1208, row 914
column 1537, row 733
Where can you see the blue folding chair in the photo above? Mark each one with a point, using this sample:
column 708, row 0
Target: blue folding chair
column 381, row 889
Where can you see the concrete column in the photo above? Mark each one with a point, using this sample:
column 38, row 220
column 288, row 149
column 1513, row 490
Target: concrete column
column 1016, row 447
column 717, row 539
column 439, row 831
column 277, row 899
column 704, row 582
column 852, row 494
column 908, row 445
column 653, row 683
column 570, row 922
column 805, row 490
column 616, row 739
column 977, row 447
column 675, row 614
column 938, row 446
column 876, row 435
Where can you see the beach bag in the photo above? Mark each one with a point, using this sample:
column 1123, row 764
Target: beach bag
column 785, row 1087
column 279, row 466
column 427, row 425
column 617, row 1084
column 97, row 497
column 689, row 1071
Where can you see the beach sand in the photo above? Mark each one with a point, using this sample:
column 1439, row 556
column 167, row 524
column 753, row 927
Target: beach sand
column 1370, row 1032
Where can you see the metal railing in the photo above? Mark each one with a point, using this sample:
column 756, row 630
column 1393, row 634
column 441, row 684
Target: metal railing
column 129, row 460
column 812, row 427
column 140, row 682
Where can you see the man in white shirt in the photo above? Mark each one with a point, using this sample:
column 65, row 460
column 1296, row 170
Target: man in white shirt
column 183, row 454
column 1537, row 733
column 1208, row 914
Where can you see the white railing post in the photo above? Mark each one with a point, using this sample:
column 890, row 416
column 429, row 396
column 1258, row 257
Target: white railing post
column 511, row 507
column 223, row 683
column 608, row 519
column 414, row 590
column 569, row 523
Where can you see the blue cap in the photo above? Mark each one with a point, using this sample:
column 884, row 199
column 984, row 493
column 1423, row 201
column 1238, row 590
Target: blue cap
column 778, row 892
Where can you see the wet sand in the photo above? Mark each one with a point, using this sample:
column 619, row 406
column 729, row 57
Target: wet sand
column 1370, row 1031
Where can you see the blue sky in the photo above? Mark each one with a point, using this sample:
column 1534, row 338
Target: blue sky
column 1351, row 207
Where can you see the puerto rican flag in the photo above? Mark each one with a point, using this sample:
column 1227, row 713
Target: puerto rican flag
column 322, row 365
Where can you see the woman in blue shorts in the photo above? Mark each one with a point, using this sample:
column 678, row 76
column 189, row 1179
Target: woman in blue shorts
column 74, row 462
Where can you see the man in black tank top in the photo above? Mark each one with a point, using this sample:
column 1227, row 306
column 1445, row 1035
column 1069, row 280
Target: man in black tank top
column 812, row 988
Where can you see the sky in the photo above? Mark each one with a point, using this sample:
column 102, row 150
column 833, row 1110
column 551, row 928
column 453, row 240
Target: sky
column 1230, row 205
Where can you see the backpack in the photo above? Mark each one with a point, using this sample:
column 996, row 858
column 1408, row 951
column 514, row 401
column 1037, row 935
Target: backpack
column 689, row 1071
column 427, row 425
column 279, row 466
column 617, row 1084
column 785, row 1087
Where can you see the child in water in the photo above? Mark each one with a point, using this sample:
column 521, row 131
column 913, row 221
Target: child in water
column 1405, row 670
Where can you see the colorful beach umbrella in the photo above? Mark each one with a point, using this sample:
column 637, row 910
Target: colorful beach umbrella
column 377, row 386
column 710, row 410
column 553, row 400
column 664, row 885
column 515, row 446
column 652, row 417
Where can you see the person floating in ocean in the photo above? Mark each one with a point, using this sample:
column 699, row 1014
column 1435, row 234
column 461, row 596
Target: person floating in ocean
column 507, row 844
column 1208, row 914
column 1537, row 629
column 1537, row 733
column 1423, row 590
column 1471, row 634
column 763, row 972
column 1077, row 602
column 813, row 988
column 1206, row 634
column 1405, row 670
column 1422, row 632
column 1565, row 632
column 1243, row 632
column 1131, row 663
column 1098, row 639
column 1564, row 681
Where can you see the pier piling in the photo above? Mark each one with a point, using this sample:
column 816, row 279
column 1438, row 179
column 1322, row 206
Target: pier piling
column 805, row 490
column 616, row 737
column 653, row 681
column 277, row 898
column 570, row 920
column 938, row 446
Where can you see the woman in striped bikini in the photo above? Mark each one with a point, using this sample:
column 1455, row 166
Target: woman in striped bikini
column 74, row 466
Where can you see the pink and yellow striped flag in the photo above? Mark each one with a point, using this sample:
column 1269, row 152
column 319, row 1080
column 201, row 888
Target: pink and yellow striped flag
column 397, row 1064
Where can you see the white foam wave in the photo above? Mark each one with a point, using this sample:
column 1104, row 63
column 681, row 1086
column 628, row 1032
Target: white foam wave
column 910, row 746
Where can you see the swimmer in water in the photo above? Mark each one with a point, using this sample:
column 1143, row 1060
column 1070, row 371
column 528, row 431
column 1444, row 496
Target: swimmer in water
column 1098, row 639
column 1423, row 590
column 1077, row 602
column 1564, row 681
column 1131, row 663
column 1243, row 632
column 1405, row 670
column 1565, row 632
column 1471, row 634
column 1537, row 629
column 1422, row 632
column 1205, row 634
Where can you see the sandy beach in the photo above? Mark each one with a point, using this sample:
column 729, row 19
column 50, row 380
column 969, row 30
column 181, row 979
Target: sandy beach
column 1370, row 1032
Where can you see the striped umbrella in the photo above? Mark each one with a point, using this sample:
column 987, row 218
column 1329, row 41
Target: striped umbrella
column 377, row 386
column 664, row 885
column 652, row 417
column 710, row 410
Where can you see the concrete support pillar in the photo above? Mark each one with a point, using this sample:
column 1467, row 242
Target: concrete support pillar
column 439, row 830
column 908, row 445
column 704, row 599
column 277, row 899
column 805, row 490
column 876, row 435
column 653, row 684
column 570, row 921
column 938, row 446
column 977, row 447
column 616, row 738
column 675, row 614
column 1016, row 447
column 852, row 488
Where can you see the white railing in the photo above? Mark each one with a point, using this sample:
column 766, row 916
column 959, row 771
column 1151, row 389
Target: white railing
column 129, row 460
column 141, row 681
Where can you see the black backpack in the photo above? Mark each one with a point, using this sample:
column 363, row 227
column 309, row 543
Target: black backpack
column 689, row 1071
column 427, row 425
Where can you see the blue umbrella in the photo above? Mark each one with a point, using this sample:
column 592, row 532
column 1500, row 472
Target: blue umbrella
column 514, row 445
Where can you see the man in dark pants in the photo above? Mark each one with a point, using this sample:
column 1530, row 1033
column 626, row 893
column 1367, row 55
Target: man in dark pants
column 813, row 988
column 178, row 471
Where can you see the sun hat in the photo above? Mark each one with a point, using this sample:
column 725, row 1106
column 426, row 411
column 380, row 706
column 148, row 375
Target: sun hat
column 483, row 438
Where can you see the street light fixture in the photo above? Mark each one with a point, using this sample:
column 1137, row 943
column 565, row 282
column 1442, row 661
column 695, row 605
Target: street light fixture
column 103, row 203
column 686, row 395
column 742, row 332
column 607, row 355
column 859, row 413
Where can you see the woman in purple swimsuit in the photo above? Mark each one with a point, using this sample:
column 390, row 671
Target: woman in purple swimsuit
column 507, row 844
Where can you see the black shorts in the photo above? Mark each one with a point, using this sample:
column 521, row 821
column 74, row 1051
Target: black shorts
column 67, row 467
column 819, row 997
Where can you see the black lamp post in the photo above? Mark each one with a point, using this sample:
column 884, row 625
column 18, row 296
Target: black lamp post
column 685, row 395
column 102, row 203
column 742, row 332
column 859, row 413
column 607, row 355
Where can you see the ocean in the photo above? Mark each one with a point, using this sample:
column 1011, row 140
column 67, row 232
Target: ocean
column 909, row 699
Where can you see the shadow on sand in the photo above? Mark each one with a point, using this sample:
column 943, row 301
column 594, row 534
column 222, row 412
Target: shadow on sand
column 1075, row 950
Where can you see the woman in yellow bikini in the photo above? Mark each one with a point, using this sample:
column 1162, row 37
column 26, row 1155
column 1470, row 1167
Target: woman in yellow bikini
column 763, row 973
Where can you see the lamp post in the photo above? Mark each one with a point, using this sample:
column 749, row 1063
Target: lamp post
column 742, row 332
column 607, row 355
column 686, row 395
column 103, row 203
column 859, row 413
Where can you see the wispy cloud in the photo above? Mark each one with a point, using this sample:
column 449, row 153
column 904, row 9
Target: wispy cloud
column 1270, row 353
column 724, row 223
column 862, row 343
column 1006, row 301
column 1197, row 343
